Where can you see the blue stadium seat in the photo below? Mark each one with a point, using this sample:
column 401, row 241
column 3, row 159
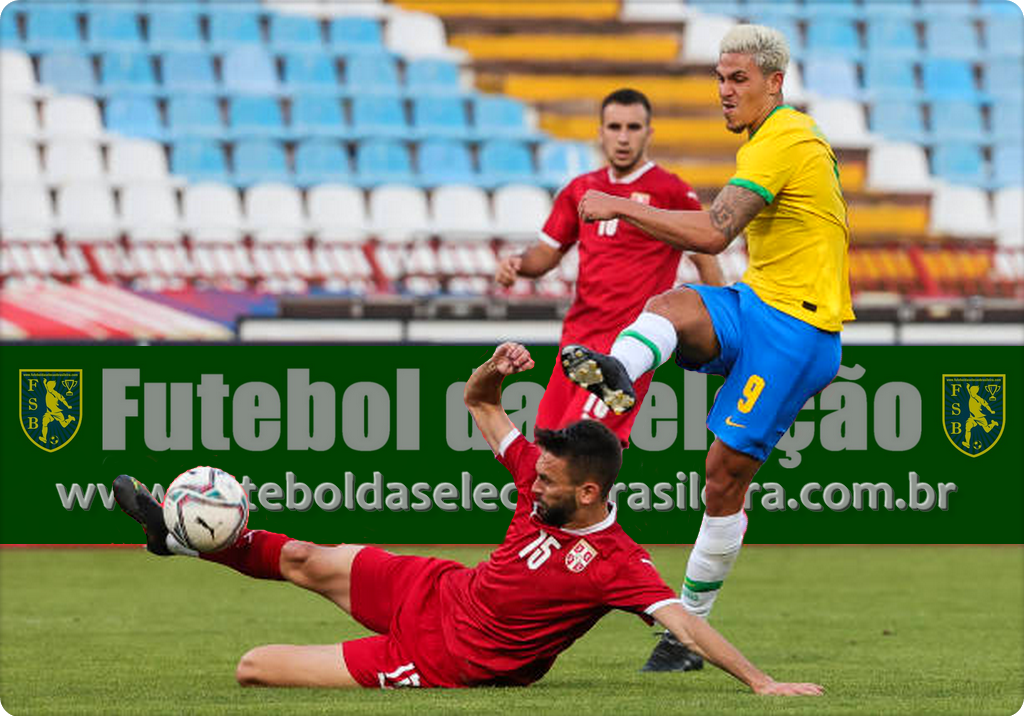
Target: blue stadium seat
column 134, row 116
column 892, row 36
column 831, row 77
column 829, row 37
column 378, row 116
column 504, row 162
column 498, row 117
column 318, row 116
column 445, row 162
column 250, row 69
column 561, row 161
column 295, row 32
column 882, row 8
column 440, row 117
column 758, row 9
column 718, row 7
column 960, row 9
column 52, row 27
column 194, row 116
column 371, row 74
column 890, row 77
column 898, row 121
column 957, row 120
column 67, row 72
column 10, row 34
column 843, row 9
column 127, row 72
column 232, row 27
column 432, row 77
column 1007, row 121
column 355, row 35
column 948, row 78
column 259, row 160
column 188, row 72
column 321, row 161
column 1004, row 35
column 381, row 161
column 310, row 73
column 1008, row 165
column 199, row 160
column 959, row 163
column 174, row 28
column 951, row 37
column 115, row 27
column 989, row 9
column 256, row 116
column 1004, row 77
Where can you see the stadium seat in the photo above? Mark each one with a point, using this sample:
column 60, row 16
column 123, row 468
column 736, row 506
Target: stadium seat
column 892, row 37
column 646, row 11
column 194, row 116
column 373, row 74
column 898, row 121
column 888, row 78
column 127, row 73
column 200, row 160
column 10, row 34
column 26, row 213
column 70, row 116
column 378, row 116
column 948, row 78
column 701, row 37
column 310, row 73
column 294, row 32
column 67, row 72
column 174, row 27
column 1008, row 121
column 383, row 162
column 212, row 213
column 1004, row 36
column 18, row 116
column 496, row 117
column 561, row 161
column 520, row 211
column 135, row 117
column 898, row 168
column 439, row 117
column 137, row 161
column 398, row 213
column 876, row 9
column 74, row 160
column 461, row 213
column 833, row 9
column 961, row 10
column 251, row 70
column 959, row 163
column 355, row 35
column 843, row 122
column 831, row 77
column 85, row 212
column 504, row 162
column 233, row 27
column 318, row 116
column 418, row 35
column 716, row 7
column 429, row 76
column 188, row 72
column 445, row 162
column 113, row 28
column 957, row 120
column 19, row 162
column 833, row 37
column 1009, row 216
column 337, row 213
column 759, row 9
column 256, row 116
column 961, row 212
column 274, row 213
column 1008, row 165
column 321, row 161
column 149, row 213
column 1004, row 77
column 259, row 160
column 51, row 27
column 951, row 37
column 16, row 74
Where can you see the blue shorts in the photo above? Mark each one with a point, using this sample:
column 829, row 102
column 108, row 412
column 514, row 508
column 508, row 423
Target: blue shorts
column 772, row 364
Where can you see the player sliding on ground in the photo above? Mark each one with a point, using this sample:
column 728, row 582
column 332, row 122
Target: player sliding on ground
column 564, row 564
column 774, row 335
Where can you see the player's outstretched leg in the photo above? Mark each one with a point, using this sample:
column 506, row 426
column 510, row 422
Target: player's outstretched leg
column 670, row 654
column 136, row 502
column 602, row 375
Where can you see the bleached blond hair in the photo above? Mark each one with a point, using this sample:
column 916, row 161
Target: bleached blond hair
column 766, row 45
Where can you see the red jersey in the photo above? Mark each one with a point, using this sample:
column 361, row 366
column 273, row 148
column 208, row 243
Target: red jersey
column 620, row 266
column 509, row 617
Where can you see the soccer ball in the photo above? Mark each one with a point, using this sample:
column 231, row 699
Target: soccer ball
column 205, row 509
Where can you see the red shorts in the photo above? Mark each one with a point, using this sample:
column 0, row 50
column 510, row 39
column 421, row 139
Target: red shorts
column 564, row 402
column 397, row 597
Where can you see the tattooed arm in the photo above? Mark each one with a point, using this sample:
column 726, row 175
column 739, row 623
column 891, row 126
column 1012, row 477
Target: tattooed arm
column 707, row 232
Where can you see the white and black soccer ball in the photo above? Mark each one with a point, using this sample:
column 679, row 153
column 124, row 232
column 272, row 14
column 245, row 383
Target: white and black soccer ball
column 205, row 509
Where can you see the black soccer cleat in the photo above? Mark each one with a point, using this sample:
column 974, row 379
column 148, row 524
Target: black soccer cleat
column 670, row 654
column 136, row 502
column 602, row 375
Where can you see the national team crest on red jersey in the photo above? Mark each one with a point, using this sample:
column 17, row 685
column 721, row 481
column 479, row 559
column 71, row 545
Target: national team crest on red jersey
column 641, row 197
column 580, row 556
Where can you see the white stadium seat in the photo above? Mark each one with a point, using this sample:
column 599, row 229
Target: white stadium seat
column 149, row 213
column 337, row 213
column 19, row 161
column 843, row 122
column 961, row 212
column 898, row 167
column 461, row 213
column 661, row 11
column 26, row 213
column 72, row 116
column 85, row 212
column 134, row 161
column 16, row 75
column 398, row 213
column 274, row 213
column 701, row 37
column 18, row 116
column 417, row 34
column 70, row 161
column 212, row 213
column 520, row 212
column 1009, row 211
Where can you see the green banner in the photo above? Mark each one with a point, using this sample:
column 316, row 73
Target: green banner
column 373, row 444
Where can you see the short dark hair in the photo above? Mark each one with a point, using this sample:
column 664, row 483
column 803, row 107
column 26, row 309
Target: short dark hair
column 627, row 96
column 592, row 451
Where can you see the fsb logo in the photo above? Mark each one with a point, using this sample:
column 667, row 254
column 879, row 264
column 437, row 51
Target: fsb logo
column 51, row 406
column 973, row 415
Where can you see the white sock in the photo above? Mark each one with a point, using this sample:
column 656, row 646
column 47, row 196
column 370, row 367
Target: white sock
column 718, row 544
column 177, row 547
column 645, row 344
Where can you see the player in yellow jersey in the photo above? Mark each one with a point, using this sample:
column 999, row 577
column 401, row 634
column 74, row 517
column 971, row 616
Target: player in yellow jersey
column 774, row 335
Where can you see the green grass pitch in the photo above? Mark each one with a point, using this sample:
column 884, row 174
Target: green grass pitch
column 887, row 630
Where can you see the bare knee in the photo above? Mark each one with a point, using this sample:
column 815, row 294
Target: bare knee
column 252, row 669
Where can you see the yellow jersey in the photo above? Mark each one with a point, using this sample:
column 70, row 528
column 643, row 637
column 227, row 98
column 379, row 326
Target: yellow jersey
column 798, row 243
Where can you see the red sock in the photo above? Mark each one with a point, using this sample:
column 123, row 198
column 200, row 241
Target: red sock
column 257, row 553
